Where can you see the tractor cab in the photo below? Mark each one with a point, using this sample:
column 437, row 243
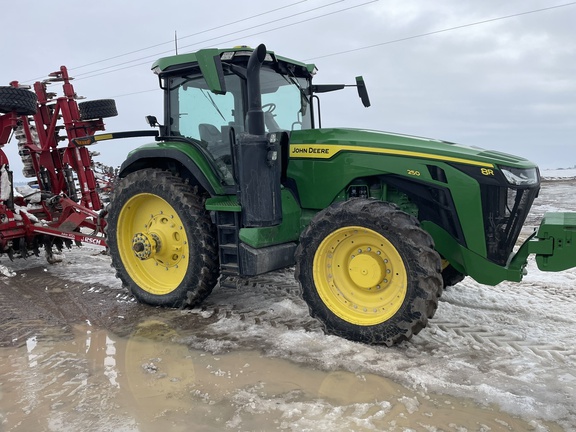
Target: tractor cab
column 211, row 99
column 208, row 102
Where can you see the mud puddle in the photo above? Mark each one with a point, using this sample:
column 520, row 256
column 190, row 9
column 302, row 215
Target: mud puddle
column 98, row 381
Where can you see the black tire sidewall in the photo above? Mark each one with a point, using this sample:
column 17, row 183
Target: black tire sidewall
column 101, row 108
column 20, row 100
column 202, row 272
column 415, row 308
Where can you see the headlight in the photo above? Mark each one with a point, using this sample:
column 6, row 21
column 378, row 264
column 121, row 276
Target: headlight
column 520, row 176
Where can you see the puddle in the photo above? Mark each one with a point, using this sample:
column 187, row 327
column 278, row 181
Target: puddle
column 101, row 382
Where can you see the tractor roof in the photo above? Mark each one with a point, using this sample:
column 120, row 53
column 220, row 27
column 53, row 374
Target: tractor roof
column 236, row 54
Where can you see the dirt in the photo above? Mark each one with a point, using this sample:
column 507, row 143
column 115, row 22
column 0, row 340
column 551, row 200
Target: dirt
column 78, row 353
column 85, row 378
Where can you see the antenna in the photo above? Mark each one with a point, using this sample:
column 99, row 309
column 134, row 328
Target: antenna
column 176, row 41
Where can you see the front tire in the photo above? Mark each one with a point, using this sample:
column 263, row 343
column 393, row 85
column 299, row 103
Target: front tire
column 161, row 239
column 368, row 272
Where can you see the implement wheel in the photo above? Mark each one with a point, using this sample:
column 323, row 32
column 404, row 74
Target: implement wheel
column 369, row 272
column 162, row 241
column 17, row 99
column 101, row 108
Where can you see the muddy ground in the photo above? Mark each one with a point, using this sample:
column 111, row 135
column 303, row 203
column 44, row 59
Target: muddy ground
column 78, row 353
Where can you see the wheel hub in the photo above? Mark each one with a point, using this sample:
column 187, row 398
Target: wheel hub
column 367, row 270
column 145, row 246
column 360, row 275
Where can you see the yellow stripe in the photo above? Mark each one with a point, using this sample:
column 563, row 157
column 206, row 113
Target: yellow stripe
column 326, row 151
column 103, row 137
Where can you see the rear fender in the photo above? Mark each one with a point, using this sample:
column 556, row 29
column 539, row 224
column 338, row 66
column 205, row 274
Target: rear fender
column 190, row 166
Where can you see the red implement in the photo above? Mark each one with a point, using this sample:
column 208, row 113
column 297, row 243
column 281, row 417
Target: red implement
column 65, row 204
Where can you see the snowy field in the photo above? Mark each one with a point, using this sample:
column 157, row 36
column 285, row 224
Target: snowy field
column 509, row 348
column 559, row 174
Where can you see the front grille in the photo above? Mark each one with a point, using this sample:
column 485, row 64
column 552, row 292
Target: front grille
column 505, row 210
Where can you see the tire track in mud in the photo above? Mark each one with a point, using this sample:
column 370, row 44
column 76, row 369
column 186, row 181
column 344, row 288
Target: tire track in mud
column 212, row 314
column 35, row 303
column 250, row 302
column 501, row 340
column 274, row 287
column 21, row 317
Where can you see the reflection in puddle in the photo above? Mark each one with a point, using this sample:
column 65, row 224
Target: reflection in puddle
column 100, row 382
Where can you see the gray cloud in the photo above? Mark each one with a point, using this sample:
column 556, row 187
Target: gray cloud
column 506, row 85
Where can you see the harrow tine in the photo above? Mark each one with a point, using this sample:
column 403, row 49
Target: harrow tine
column 48, row 249
column 35, row 245
column 22, row 248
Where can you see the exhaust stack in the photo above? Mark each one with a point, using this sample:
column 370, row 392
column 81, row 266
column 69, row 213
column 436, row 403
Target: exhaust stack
column 255, row 117
column 257, row 173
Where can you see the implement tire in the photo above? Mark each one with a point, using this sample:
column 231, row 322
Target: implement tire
column 96, row 109
column 368, row 272
column 22, row 101
column 162, row 241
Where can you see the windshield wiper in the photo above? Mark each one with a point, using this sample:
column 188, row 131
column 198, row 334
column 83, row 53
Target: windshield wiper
column 209, row 97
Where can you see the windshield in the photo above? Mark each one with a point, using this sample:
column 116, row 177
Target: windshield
column 193, row 106
column 284, row 102
column 197, row 113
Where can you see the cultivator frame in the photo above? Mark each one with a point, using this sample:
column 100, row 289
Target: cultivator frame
column 67, row 207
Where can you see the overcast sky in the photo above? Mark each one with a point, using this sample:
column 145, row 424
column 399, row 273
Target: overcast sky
column 507, row 84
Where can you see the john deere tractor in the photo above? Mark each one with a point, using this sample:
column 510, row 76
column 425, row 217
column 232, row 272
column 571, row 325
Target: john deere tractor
column 243, row 180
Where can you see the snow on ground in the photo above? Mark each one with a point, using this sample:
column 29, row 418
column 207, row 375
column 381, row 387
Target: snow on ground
column 558, row 174
column 511, row 345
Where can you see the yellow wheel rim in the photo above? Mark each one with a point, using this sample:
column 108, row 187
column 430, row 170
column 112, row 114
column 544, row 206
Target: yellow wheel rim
column 360, row 276
column 152, row 243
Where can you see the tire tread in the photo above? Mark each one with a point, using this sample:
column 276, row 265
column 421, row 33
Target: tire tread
column 424, row 269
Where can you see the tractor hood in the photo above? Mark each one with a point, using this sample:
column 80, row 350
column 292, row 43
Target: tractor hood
column 326, row 143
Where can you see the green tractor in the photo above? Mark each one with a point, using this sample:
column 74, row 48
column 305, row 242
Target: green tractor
column 243, row 180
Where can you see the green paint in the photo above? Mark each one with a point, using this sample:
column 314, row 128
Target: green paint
column 223, row 203
column 190, row 152
column 327, row 165
column 558, row 231
column 288, row 231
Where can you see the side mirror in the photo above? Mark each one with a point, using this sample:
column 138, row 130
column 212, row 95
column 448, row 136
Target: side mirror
column 152, row 121
column 362, row 92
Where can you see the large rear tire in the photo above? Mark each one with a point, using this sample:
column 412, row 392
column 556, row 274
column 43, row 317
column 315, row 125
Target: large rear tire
column 368, row 272
column 162, row 241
